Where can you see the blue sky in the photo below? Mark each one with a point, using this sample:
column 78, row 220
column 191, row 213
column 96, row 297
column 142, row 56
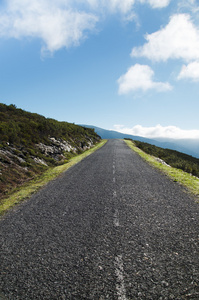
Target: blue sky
column 130, row 65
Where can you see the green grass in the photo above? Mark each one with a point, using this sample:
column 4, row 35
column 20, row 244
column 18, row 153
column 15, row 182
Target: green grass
column 25, row 191
column 188, row 181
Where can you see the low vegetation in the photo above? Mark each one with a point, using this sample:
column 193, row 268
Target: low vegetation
column 30, row 144
column 177, row 175
column 27, row 189
column 26, row 129
column 173, row 158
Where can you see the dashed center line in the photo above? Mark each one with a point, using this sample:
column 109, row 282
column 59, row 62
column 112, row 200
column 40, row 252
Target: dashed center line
column 116, row 218
column 113, row 168
column 119, row 268
column 119, row 271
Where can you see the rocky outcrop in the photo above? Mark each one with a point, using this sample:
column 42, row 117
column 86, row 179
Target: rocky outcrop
column 8, row 158
column 30, row 143
column 59, row 147
column 56, row 148
column 161, row 161
column 19, row 164
column 40, row 161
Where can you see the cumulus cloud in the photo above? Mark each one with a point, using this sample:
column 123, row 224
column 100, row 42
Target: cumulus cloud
column 57, row 25
column 178, row 40
column 140, row 77
column 124, row 6
column 159, row 131
column 191, row 5
column 112, row 6
column 60, row 23
column 190, row 71
column 156, row 3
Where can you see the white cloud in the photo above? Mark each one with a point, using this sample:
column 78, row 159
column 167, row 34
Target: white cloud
column 191, row 71
column 191, row 5
column 124, row 6
column 178, row 40
column 56, row 24
column 140, row 77
column 156, row 3
column 60, row 23
column 159, row 131
column 112, row 6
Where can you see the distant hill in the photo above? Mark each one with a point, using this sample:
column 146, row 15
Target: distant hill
column 111, row 134
column 31, row 143
column 187, row 146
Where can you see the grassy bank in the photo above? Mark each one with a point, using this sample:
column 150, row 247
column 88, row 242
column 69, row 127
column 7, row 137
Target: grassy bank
column 26, row 190
column 190, row 182
column 30, row 144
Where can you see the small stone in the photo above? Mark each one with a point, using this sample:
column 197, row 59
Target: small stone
column 164, row 283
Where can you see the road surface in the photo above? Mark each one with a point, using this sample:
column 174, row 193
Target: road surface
column 111, row 227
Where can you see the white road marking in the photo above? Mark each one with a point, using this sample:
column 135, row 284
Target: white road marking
column 113, row 168
column 119, row 270
column 116, row 218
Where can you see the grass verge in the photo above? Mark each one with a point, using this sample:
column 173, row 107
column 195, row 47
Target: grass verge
column 177, row 175
column 26, row 190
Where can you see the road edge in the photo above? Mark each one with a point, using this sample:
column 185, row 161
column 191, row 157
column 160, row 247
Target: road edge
column 28, row 189
column 191, row 183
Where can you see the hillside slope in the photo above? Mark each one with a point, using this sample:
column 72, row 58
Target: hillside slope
column 31, row 143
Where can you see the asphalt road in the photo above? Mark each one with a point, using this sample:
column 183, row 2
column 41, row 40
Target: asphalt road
column 111, row 227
